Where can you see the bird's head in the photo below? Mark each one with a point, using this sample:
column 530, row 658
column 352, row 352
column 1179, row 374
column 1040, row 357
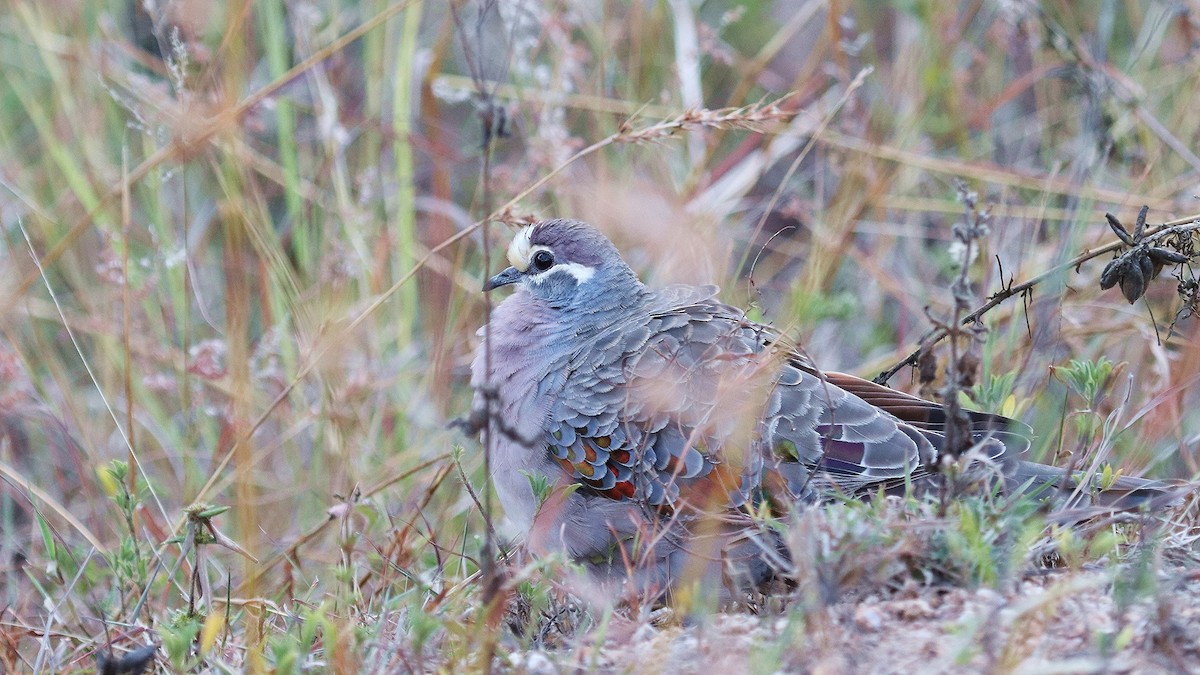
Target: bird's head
column 565, row 262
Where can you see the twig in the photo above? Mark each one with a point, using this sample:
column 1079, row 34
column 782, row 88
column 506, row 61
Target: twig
column 491, row 119
column 1178, row 226
column 958, row 426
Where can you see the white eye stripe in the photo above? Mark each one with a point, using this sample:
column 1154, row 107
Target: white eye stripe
column 582, row 273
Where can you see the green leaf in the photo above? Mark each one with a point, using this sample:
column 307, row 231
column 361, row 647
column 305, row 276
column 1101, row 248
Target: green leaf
column 540, row 484
column 1089, row 379
column 47, row 536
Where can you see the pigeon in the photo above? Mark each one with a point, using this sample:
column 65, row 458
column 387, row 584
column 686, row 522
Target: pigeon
column 640, row 432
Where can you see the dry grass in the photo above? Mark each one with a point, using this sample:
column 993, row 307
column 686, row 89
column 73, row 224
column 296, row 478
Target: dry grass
column 240, row 263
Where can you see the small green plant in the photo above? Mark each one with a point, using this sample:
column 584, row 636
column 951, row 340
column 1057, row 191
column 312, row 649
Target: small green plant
column 539, row 483
column 996, row 394
column 128, row 562
column 1089, row 380
column 179, row 636
column 544, row 490
column 1107, row 477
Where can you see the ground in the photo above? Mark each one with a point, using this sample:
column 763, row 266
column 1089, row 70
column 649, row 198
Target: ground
column 1055, row 622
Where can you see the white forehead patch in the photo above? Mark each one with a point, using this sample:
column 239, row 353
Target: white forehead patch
column 520, row 251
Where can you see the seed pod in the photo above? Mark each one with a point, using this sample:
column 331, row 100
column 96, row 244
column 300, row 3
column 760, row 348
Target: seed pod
column 1133, row 283
column 1146, row 264
column 1166, row 255
column 1111, row 274
column 1139, row 228
column 1119, row 229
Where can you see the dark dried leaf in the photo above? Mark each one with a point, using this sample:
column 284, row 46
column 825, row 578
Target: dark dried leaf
column 927, row 367
column 968, row 367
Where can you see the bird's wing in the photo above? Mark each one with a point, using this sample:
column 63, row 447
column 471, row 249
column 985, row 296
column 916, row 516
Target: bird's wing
column 931, row 416
column 691, row 401
column 627, row 419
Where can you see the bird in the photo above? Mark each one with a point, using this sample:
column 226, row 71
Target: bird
column 637, row 431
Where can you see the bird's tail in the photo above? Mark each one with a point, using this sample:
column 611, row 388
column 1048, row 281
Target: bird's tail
column 1074, row 489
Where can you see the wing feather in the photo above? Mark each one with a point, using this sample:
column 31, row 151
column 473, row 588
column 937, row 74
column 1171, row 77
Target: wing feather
column 654, row 409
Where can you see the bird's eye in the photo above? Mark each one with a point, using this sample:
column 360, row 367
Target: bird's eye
column 543, row 260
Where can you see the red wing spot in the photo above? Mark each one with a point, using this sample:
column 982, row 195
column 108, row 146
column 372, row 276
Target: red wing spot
column 622, row 490
column 567, row 466
column 621, row 456
column 589, row 453
column 604, row 442
column 586, row 470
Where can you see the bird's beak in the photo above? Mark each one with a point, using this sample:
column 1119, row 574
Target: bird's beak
column 509, row 276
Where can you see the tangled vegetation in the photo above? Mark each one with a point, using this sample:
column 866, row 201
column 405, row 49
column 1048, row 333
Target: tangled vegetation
column 241, row 253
